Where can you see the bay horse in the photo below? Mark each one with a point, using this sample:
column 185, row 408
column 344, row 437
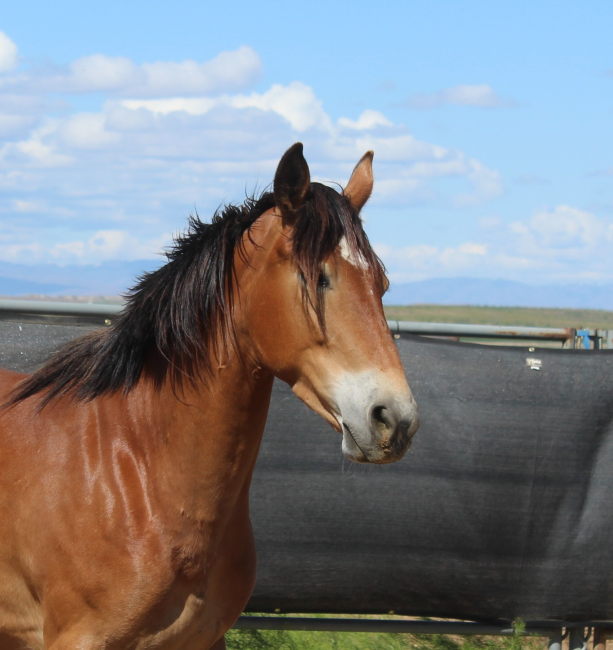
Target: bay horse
column 126, row 460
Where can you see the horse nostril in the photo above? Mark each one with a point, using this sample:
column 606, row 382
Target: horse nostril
column 381, row 419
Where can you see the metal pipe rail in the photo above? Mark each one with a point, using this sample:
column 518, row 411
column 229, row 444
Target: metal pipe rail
column 384, row 625
column 53, row 311
column 565, row 335
column 55, row 308
column 555, row 632
column 481, row 331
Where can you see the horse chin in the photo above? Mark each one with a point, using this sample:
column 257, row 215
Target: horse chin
column 372, row 452
column 351, row 450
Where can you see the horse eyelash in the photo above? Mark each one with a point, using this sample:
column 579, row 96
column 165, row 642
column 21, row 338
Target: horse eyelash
column 323, row 282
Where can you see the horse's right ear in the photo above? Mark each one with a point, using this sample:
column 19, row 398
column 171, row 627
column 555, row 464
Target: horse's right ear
column 292, row 180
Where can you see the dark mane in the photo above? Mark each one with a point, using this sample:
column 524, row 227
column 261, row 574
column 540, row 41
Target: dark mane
column 182, row 311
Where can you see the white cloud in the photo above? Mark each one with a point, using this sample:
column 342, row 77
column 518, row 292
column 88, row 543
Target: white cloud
column 87, row 131
column 20, row 252
column 412, row 263
column 8, row 53
column 296, row 103
column 11, row 124
column 119, row 76
column 169, row 135
column 227, row 71
column 369, row 119
column 98, row 72
column 490, row 222
column 109, row 245
column 562, row 233
column 562, row 243
column 566, row 227
column 36, row 151
column 193, row 106
column 487, row 184
column 481, row 95
column 473, row 249
column 416, row 180
column 100, row 246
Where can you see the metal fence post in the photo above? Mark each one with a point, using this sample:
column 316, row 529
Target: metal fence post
column 555, row 641
column 602, row 635
column 576, row 640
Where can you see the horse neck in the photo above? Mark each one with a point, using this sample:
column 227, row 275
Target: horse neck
column 206, row 437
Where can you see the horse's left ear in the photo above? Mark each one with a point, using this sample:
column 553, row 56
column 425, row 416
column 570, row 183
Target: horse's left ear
column 292, row 180
column 359, row 187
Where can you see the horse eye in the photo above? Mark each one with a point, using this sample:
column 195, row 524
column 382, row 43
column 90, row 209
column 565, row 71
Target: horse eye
column 323, row 282
column 386, row 285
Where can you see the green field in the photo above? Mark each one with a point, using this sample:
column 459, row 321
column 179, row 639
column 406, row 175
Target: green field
column 283, row 640
column 588, row 318
column 578, row 318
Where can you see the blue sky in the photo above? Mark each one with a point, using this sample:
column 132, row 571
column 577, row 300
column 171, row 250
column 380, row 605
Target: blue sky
column 491, row 124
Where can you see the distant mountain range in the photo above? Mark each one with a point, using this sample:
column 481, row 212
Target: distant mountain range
column 106, row 279
column 499, row 293
column 113, row 278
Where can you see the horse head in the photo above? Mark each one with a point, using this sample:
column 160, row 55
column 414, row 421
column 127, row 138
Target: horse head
column 311, row 292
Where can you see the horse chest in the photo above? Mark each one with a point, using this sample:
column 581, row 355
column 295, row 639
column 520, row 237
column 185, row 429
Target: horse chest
column 194, row 627
column 218, row 582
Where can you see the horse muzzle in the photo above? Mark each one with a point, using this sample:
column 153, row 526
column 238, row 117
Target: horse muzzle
column 378, row 425
column 387, row 438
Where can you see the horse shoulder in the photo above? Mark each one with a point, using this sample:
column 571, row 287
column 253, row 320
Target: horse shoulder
column 8, row 380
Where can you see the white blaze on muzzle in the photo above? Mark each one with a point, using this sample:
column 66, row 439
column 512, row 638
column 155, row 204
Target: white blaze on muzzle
column 377, row 413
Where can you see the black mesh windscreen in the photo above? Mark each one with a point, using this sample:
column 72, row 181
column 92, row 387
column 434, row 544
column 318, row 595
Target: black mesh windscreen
column 502, row 507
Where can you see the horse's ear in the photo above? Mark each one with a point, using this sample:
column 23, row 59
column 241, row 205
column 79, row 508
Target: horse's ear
column 292, row 180
column 359, row 187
